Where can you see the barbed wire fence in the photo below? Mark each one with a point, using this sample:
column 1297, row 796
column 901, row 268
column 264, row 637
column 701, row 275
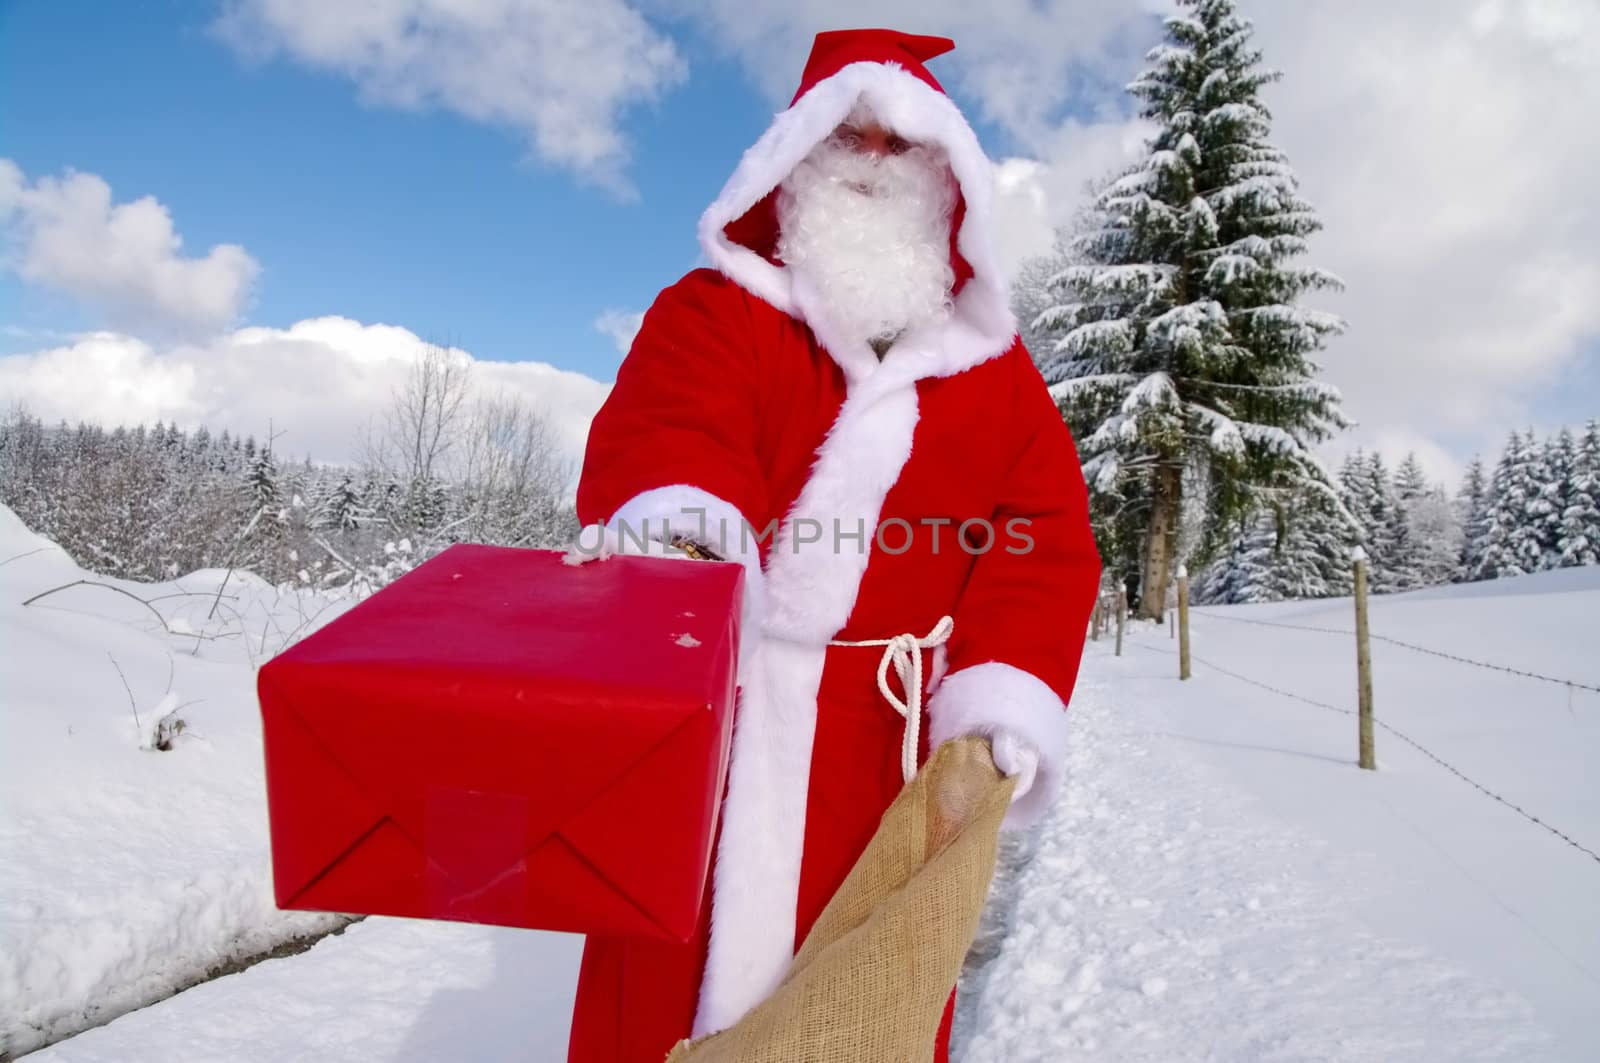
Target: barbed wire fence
column 1388, row 728
column 1569, row 683
column 1363, row 636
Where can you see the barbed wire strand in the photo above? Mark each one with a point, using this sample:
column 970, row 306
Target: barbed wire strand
column 1570, row 684
column 1390, row 728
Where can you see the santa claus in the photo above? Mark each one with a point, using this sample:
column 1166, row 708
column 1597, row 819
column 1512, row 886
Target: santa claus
column 841, row 405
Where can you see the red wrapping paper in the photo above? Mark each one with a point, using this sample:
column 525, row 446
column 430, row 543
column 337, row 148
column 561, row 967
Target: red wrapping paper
column 498, row 737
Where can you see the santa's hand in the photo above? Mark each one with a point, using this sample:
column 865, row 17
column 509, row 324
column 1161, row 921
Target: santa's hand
column 596, row 542
column 1015, row 758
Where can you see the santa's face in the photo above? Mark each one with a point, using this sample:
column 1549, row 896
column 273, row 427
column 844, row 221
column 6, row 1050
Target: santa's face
column 865, row 220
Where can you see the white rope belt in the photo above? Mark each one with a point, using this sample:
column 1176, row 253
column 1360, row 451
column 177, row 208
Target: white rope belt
column 905, row 653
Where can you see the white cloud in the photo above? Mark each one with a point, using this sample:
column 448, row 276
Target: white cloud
column 1035, row 196
column 1453, row 162
column 1019, row 60
column 123, row 260
column 1448, row 145
column 317, row 383
column 557, row 72
column 621, row 326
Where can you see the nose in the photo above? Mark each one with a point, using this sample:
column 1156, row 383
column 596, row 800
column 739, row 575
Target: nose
column 876, row 141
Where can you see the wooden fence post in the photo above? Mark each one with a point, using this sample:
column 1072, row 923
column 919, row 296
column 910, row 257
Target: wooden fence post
column 1363, row 663
column 1122, row 616
column 1183, row 621
column 1094, row 620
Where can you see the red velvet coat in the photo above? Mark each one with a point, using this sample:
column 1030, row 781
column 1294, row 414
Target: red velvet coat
column 742, row 408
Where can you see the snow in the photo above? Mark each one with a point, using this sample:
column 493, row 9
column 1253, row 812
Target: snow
column 385, row 989
column 1217, row 880
column 1225, row 437
column 129, row 872
column 1329, row 913
column 1155, row 391
column 1165, row 916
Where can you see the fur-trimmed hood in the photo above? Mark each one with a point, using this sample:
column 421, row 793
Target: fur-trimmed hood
column 882, row 69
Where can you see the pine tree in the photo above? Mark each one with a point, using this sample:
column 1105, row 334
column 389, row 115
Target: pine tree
column 1472, row 510
column 1243, row 572
column 1579, row 540
column 1410, row 482
column 1182, row 358
column 1554, row 472
column 1299, row 552
column 261, row 480
column 1389, row 546
column 341, row 509
column 1366, row 493
column 1513, row 543
column 1302, row 564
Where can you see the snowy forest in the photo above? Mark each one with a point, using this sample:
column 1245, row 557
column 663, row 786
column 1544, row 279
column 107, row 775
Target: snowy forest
column 1169, row 325
column 1538, row 509
column 443, row 465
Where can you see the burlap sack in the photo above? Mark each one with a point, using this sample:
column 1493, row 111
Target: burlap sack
column 871, row 981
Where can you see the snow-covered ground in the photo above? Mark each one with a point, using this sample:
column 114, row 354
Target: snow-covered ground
column 127, row 872
column 386, row 989
column 1218, row 881
column 1221, row 882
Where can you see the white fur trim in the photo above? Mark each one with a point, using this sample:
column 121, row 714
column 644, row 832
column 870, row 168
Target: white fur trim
column 811, row 587
column 681, row 509
column 811, row 590
column 757, row 873
column 988, row 698
column 982, row 325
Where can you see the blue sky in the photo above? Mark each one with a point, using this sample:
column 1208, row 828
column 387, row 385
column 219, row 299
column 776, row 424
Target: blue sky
column 424, row 220
column 420, row 219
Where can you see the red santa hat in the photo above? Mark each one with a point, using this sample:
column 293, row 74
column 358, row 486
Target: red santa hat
column 836, row 49
column 885, row 70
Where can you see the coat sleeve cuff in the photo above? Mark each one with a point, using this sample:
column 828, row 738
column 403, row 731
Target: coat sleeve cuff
column 988, row 698
column 681, row 509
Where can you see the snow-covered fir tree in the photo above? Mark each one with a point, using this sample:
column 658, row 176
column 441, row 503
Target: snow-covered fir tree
column 1368, row 494
column 1401, row 556
column 1554, row 474
column 1514, row 540
column 1410, row 482
column 1178, row 350
column 1243, row 570
column 261, row 479
column 1579, row 539
column 1472, row 510
column 1281, row 555
column 1314, row 551
column 341, row 508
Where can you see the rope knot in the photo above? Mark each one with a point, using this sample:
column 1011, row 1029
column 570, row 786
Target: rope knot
column 903, row 652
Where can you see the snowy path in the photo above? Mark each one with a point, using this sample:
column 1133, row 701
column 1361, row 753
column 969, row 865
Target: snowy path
column 1165, row 915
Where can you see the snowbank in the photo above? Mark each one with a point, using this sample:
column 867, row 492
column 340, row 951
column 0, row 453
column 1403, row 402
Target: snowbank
column 128, row 871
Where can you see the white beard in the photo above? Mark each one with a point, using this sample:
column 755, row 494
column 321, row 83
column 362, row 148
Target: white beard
column 871, row 236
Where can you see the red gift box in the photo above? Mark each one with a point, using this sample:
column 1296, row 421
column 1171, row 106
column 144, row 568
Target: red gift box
column 498, row 737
